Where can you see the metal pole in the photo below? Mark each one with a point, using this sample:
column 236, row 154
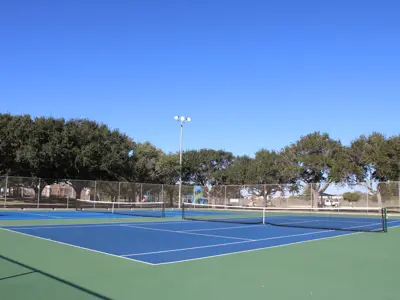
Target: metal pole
column 398, row 186
column 225, row 200
column 95, row 194
column 119, row 191
column 194, row 193
column 181, row 120
column 5, row 195
column 38, row 195
column 180, row 166
column 162, row 193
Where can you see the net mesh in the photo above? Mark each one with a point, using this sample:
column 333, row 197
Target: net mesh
column 347, row 219
column 141, row 209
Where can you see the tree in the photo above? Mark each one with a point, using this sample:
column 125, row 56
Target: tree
column 352, row 196
column 168, row 166
column 91, row 151
column 273, row 167
column 321, row 161
column 14, row 133
column 374, row 159
column 168, row 174
column 237, row 172
column 146, row 162
column 203, row 166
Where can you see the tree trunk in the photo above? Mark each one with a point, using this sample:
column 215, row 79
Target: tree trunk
column 314, row 194
column 378, row 195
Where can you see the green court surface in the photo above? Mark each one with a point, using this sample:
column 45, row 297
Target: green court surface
column 358, row 266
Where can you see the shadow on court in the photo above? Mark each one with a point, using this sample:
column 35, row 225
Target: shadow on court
column 18, row 265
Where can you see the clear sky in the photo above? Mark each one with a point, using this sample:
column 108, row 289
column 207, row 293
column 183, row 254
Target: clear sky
column 252, row 74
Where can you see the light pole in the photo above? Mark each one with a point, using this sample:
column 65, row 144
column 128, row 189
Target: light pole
column 181, row 120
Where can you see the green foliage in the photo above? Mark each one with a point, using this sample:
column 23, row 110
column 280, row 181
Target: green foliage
column 168, row 166
column 238, row 173
column 320, row 159
column 375, row 157
column 273, row 167
column 146, row 163
column 14, row 132
column 204, row 166
column 55, row 149
column 352, row 196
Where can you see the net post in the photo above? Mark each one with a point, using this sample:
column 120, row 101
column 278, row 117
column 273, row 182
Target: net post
column 163, row 210
column 183, row 210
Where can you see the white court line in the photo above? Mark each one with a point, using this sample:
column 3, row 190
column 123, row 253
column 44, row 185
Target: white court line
column 227, row 244
column 224, row 228
column 75, row 246
column 36, row 214
column 256, row 249
column 192, row 259
column 258, row 240
column 185, row 232
column 263, row 248
column 17, row 227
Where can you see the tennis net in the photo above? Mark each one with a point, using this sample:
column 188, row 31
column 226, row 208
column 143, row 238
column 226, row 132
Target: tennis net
column 348, row 219
column 141, row 209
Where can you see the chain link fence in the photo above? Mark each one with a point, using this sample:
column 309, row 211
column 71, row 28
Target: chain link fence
column 26, row 192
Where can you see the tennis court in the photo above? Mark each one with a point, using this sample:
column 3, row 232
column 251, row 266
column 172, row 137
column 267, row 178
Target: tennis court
column 91, row 255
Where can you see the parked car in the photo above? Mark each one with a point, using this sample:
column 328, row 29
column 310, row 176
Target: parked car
column 331, row 203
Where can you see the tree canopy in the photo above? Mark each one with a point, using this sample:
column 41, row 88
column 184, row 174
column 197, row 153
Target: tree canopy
column 55, row 149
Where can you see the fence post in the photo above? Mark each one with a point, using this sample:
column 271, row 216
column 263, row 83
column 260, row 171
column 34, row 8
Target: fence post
column 119, row 191
column 5, row 195
column 398, row 186
column 38, row 195
column 265, row 197
column 95, row 194
column 225, row 200
column 162, row 193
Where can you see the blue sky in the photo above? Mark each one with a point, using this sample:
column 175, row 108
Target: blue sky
column 251, row 74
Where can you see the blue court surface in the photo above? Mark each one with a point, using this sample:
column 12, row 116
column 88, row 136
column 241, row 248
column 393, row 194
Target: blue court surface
column 70, row 214
column 166, row 242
